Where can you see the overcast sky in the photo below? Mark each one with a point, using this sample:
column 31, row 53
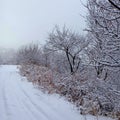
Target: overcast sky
column 26, row 21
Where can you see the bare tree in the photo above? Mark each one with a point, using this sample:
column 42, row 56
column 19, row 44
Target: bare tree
column 70, row 43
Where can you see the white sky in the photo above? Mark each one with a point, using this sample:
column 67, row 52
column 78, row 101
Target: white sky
column 26, row 21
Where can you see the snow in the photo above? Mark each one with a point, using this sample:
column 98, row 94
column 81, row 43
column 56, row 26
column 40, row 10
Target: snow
column 19, row 100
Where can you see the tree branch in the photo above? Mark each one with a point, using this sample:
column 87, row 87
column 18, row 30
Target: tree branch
column 116, row 6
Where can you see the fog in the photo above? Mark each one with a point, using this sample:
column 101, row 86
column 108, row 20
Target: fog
column 26, row 21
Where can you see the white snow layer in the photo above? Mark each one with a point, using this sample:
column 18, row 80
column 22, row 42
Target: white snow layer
column 19, row 100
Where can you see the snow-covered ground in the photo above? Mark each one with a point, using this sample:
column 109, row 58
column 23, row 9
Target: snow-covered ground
column 19, row 100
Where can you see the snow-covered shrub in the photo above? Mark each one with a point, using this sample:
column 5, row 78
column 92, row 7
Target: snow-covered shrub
column 29, row 54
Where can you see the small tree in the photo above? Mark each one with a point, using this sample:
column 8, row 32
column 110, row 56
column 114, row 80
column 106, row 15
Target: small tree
column 70, row 43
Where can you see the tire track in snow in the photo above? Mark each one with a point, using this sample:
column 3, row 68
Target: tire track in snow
column 28, row 102
column 9, row 94
column 42, row 101
column 7, row 111
column 50, row 106
column 21, row 103
column 24, row 103
column 39, row 109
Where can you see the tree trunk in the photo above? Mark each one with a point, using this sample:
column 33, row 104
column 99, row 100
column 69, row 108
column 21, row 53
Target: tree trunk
column 71, row 67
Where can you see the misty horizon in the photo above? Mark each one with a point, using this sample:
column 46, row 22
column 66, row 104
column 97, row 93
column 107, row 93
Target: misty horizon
column 24, row 22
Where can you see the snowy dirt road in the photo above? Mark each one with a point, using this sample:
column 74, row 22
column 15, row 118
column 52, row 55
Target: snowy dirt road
column 19, row 100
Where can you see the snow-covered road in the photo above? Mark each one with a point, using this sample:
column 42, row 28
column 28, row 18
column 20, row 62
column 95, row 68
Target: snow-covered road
column 19, row 100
